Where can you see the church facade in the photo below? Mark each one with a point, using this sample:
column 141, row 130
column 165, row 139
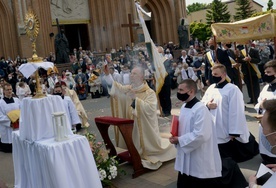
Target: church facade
column 93, row 24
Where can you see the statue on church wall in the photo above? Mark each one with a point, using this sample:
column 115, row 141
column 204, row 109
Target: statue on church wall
column 183, row 34
column 61, row 48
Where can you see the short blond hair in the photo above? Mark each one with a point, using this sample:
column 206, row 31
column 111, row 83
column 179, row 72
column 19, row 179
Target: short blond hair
column 219, row 66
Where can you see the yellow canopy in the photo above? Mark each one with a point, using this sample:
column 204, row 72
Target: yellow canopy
column 259, row 27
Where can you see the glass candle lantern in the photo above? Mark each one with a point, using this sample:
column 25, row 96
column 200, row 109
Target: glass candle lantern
column 59, row 125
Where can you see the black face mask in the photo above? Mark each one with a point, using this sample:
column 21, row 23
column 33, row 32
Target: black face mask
column 216, row 79
column 58, row 94
column 182, row 97
column 212, row 47
column 268, row 79
column 228, row 45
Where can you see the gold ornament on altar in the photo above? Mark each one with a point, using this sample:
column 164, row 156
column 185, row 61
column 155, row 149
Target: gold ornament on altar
column 32, row 30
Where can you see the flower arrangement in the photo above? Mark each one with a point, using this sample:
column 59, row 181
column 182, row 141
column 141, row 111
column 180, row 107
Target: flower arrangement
column 107, row 166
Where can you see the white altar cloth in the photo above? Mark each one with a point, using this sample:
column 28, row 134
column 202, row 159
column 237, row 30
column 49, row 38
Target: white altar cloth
column 51, row 164
column 36, row 117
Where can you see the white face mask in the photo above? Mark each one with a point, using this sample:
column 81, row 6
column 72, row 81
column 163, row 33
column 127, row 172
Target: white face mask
column 269, row 147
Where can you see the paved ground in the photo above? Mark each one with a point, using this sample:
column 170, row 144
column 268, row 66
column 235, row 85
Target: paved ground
column 164, row 177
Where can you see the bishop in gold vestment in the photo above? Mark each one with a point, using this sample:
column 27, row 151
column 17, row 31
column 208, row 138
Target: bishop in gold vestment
column 138, row 101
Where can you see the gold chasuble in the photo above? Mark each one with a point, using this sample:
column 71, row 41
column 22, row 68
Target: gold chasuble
column 152, row 148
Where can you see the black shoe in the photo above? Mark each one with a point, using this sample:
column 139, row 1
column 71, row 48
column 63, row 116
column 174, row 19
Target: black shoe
column 166, row 115
column 78, row 127
column 250, row 102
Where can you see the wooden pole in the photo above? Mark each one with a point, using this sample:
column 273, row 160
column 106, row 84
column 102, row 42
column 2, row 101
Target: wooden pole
column 250, row 76
column 274, row 47
column 239, row 75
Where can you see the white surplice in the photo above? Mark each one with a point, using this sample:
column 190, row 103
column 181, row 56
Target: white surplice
column 229, row 116
column 5, row 122
column 71, row 111
column 197, row 150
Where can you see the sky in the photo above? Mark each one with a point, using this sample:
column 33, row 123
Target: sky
column 262, row 2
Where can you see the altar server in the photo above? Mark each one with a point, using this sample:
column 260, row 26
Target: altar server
column 198, row 160
column 268, row 93
column 226, row 104
column 9, row 113
column 71, row 111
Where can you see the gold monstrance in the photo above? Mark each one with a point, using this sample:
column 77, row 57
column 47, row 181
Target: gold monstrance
column 32, row 30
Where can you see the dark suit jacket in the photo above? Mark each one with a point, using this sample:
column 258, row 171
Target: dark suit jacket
column 246, row 67
column 221, row 57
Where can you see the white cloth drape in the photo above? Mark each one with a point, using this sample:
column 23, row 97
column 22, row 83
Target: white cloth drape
column 36, row 117
column 51, row 164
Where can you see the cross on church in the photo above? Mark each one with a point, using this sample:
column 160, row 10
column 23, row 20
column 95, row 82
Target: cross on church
column 130, row 25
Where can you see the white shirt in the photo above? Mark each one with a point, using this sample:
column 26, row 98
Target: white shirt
column 125, row 77
column 71, row 111
column 229, row 115
column 197, row 150
column 191, row 74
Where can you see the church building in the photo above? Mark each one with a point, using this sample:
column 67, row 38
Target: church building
column 92, row 24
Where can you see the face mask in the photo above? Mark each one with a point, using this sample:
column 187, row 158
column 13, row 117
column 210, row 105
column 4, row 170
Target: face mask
column 228, row 45
column 79, row 73
column 10, row 77
column 34, row 81
column 200, row 58
column 212, row 47
column 268, row 79
column 266, row 143
column 58, row 94
column 182, row 97
column 216, row 79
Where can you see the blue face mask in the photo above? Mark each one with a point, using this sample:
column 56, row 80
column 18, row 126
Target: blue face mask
column 266, row 143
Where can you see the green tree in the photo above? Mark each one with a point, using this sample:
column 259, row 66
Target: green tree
column 244, row 10
column 196, row 7
column 218, row 12
column 269, row 5
column 200, row 30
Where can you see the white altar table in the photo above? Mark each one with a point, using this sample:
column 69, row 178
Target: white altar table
column 50, row 164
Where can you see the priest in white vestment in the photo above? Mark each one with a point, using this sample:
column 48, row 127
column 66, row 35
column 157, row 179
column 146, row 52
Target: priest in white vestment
column 7, row 105
column 226, row 104
column 268, row 93
column 137, row 101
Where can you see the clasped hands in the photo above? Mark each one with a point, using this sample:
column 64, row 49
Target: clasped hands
column 173, row 140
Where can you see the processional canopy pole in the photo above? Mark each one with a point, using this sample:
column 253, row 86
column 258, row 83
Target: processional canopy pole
column 32, row 30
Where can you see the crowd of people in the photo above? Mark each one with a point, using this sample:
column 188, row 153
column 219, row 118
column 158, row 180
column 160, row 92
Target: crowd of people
column 216, row 124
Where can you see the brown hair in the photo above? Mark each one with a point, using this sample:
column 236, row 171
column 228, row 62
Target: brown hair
column 6, row 85
column 272, row 64
column 270, row 107
column 190, row 84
